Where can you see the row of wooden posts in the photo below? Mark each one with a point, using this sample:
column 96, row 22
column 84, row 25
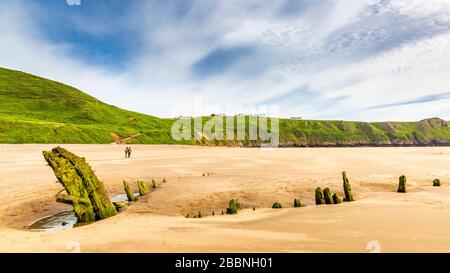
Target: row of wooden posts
column 326, row 197
column 142, row 188
column 87, row 194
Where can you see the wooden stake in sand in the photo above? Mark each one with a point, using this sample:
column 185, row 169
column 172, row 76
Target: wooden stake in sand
column 85, row 192
column 336, row 199
column 402, row 184
column 347, row 188
column 143, row 188
column 319, row 196
column 233, row 207
column 327, row 196
column 436, row 183
column 130, row 194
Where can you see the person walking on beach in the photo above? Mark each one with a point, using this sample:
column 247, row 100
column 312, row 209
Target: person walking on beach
column 126, row 152
column 129, row 151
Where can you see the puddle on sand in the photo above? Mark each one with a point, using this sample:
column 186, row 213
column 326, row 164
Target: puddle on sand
column 55, row 222
column 122, row 197
column 66, row 219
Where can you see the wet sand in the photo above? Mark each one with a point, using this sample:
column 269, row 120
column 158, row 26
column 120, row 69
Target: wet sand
column 206, row 178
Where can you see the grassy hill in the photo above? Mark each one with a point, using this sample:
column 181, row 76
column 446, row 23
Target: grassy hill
column 37, row 110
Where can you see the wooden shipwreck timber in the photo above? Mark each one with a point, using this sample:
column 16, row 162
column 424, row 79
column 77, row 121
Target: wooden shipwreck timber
column 85, row 192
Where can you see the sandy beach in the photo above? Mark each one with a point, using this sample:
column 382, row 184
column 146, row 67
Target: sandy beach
column 206, row 178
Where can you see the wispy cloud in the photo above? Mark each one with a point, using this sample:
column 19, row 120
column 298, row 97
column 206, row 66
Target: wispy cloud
column 317, row 59
column 424, row 99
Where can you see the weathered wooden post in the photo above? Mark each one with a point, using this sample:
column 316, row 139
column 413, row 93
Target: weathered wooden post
column 327, row 196
column 143, row 188
column 297, row 203
column 130, row 194
column 84, row 191
column 336, row 199
column 436, row 183
column 402, row 184
column 154, row 184
column 319, row 197
column 277, row 205
column 233, row 207
column 347, row 188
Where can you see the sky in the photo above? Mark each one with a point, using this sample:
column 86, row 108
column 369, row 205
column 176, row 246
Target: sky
column 368, row 60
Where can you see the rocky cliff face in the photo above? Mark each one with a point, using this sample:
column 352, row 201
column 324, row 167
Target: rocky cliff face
column 427, row 132
column 317, row 133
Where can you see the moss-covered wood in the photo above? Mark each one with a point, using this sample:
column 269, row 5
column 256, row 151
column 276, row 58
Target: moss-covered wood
column 436, row 183
column 297, row 203
column 84, row 191
column 402, row 184
column 143, row 188
column 233, row 207
column 130, row 194
column 327, row 196
column 121, row 205
column 277, row 205
column 154, row 184
column 347, row 188
column 319, row 196
column 336, row 199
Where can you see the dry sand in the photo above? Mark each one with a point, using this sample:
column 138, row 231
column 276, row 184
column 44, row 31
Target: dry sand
column 205, row 178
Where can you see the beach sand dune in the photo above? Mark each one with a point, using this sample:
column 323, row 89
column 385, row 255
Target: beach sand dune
column 206, row 178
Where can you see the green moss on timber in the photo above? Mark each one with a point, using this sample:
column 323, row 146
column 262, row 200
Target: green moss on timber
column 277, row 205
column 319, row 196
column 436, row 183
column 327, row 196
column 336, row 199
column 130, row 194
column 73, row 184
column 121, row 205
column 297, row 203
column 347, row 188
column 233, row 207
column 103, row 207
column 154, row 184
column 402, row 184
column 143, row 188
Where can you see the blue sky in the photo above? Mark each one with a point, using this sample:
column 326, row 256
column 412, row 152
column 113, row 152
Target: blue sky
column 325, row 59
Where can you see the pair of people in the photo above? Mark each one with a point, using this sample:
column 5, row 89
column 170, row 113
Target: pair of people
column 128, row 151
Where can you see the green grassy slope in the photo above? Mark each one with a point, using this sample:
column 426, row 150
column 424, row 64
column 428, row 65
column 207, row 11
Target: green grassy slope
column 432, row 131
column 37, row 110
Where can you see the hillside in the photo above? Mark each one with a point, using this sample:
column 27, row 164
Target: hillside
column 37, row 110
